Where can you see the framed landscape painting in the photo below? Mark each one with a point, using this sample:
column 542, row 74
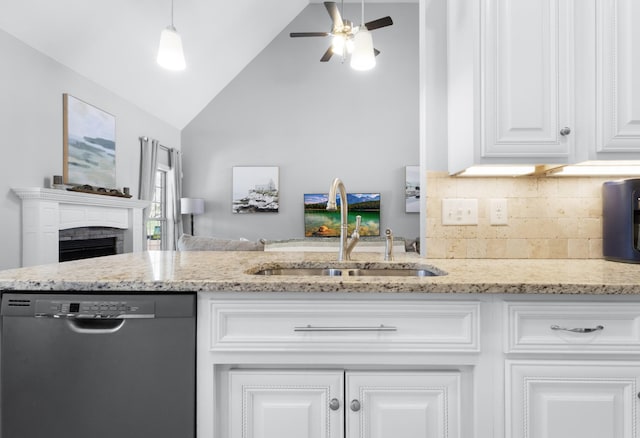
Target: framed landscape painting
column 255, row 189
column 318, row 222
column 89, row 144
column 412, row 189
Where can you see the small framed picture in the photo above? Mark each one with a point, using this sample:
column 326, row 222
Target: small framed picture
column 412, row 189
column 255, row 189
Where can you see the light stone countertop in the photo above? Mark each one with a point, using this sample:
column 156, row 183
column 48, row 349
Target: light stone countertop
column 159, row 271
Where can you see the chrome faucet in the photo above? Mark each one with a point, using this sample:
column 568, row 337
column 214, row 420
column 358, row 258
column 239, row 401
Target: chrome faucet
column 344, row 252
column 388, row 247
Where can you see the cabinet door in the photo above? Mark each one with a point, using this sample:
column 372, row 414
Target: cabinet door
column 402, row 404
column 528, row 70
column 618, row 106
column 565, row 399
column 286, row 404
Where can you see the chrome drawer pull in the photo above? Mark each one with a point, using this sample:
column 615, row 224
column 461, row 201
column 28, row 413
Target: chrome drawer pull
column 578, row 329
column 310, row 328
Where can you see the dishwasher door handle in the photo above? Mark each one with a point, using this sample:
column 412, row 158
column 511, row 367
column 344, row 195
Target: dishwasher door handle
column 95, row 326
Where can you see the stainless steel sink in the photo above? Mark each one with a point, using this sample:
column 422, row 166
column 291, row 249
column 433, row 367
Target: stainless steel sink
column 392, row 272
column 377, row 270
column 328, row 272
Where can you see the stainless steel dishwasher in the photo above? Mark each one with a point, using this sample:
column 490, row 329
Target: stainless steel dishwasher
column 116, row 366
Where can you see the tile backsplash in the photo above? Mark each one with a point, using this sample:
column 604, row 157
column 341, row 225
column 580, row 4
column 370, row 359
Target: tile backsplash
column 548, row 217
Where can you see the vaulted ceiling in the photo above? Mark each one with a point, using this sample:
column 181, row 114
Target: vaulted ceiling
column 114, row 43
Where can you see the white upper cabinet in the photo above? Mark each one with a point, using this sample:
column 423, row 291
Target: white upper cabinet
column 618, row 79
column 542, row 81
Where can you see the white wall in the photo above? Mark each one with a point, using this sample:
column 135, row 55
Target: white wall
column 31, row 88
column 316, row 121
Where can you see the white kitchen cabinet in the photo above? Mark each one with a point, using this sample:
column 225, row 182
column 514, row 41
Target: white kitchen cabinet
column 511, row 82
column 316, row 404
column 618, row 80
column 560, row 399
column 286, row 404
column 402, row 404
column 542, row 82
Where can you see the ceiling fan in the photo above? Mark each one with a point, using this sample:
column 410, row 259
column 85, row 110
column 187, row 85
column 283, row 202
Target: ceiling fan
column 344, row 32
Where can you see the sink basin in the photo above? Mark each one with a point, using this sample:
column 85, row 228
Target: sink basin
column 328, row 272
column 366, row 270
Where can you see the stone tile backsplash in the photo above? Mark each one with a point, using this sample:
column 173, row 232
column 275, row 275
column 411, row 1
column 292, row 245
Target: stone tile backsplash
column 548, row 217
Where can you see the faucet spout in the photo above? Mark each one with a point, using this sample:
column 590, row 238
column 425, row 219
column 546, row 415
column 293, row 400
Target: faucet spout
column 337, row 187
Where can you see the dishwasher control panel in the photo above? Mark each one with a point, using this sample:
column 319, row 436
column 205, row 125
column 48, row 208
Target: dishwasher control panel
column 122, row 309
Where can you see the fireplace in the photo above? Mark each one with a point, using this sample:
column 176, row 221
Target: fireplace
column 49, row 214
column 87, row 242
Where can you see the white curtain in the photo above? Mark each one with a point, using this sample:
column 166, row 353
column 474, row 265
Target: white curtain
column 174, row 188
column 148, row 165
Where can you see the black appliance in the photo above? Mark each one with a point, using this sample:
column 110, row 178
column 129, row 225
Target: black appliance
column 99, row 366
column 621, row 220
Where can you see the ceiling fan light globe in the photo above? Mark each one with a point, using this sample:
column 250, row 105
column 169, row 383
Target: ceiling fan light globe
column 170, row 53
column 363, row 58
column 337, row 45
column 349, row 46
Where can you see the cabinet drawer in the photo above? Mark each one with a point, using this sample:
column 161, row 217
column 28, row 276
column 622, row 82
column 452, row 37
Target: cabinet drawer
column 305, row 325
column 570, row 327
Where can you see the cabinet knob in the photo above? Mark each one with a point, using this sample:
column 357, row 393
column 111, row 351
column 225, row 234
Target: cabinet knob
column 355, row 405
column 565, row 131
column 334, row 404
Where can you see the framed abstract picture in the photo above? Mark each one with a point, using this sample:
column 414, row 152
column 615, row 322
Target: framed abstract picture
column 89, row 136
column 412, row 189
column 318, row 222
column 255, row 189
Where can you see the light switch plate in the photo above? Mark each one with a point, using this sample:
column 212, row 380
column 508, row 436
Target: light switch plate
column 459, row 212
column 498, row 214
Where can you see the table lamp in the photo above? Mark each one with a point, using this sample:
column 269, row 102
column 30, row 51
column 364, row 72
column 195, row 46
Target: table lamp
column 191, row 206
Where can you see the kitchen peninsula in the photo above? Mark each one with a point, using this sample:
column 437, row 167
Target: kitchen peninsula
column 202, row 271
column 490, row 349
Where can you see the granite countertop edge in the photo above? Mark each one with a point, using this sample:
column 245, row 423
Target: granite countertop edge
column 205, row 271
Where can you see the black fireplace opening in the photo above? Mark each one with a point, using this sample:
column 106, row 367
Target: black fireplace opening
column 86, row 248
column 87, row 242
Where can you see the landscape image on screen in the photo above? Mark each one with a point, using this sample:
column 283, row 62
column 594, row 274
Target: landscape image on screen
column 318, row 222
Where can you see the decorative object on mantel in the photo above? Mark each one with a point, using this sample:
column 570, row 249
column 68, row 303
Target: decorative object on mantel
column 191, row 206
column 255, row 189
column 89, row 144
column 85, row 188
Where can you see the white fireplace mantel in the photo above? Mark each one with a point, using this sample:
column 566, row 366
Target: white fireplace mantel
column 47, row 211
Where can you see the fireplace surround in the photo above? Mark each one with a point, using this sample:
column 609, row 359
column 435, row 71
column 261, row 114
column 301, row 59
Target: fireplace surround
column 47, row 211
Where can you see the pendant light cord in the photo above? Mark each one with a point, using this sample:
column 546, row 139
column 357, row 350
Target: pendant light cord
column 361, row 22
column 172, row 15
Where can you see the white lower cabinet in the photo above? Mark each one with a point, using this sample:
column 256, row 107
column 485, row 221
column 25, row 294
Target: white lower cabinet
column 319, row 404
column 418, row 366
column 571, row 399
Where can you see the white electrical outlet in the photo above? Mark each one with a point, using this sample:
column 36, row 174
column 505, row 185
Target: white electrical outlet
column 498, row 214
column 459, row 212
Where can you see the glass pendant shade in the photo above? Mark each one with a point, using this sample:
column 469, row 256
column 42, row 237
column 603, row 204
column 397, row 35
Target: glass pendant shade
column 363, row 57
column 170, row 54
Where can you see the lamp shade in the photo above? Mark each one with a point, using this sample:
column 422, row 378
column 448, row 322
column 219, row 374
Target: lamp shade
column 170, row 54
column 191, row 205
column 363, row 57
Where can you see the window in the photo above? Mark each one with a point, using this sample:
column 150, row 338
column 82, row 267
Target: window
column 157, row 222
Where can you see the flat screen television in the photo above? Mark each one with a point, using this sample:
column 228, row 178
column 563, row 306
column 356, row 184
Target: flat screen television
column 318, row 222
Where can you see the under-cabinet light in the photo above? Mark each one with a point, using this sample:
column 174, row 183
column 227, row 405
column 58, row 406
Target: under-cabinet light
column 498, row 171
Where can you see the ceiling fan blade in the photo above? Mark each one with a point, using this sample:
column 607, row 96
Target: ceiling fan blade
column 333, row 10
column 380, row 22
column 376, row 52
column 308, row 34
column 327, row 55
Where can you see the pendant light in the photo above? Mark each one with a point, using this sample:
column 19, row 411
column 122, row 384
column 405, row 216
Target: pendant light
column 363, row 57
column 170, row 54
